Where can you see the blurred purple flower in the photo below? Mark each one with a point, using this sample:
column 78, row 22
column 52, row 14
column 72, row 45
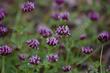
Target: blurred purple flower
column 71, row 3
column 59, row 2
column 28, row 6
column 66, row 68
column 35, row 60
column 104, row 36
column 5, row 50
column 33, row 43
column 62, row 46
column 64, row 15
column 52, row 41
column 60, row 15
column 52, row 57
column 87, row 50
column 22, row 57
column 55, row 15
column 44, row 31
column 63, row 30
column 94, row 15
column 2, row 13
column 3, row 30
column 83, row 66
column 83, row 36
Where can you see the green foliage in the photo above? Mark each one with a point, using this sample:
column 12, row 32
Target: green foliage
column 23, row 28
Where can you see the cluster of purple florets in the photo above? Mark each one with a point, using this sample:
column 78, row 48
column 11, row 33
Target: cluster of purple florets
column 67, row 68
column 104, row 36
column 94, row 15
column 53, row 57
column 2, row 13
column 33, row 43
column 63, row 30
column 28, row 6
column 44, row 31
column 34, row 59
column 87, row 50
column 59, row 2
column 23, row 56
column 60, row 15
column 3, row 30
column 5, row 50
column 52, row 41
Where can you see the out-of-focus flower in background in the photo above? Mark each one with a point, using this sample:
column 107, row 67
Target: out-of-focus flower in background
column 52, row 57
column 3, row 30
column 66, row 68
column 22, row 56
column 104, row 36
column 55, row 15
column 44, row 31
column 93, row 15
column 87, row 50
column 64, row 15
column 83, row 36
column 71, row 3
column 60, row 15
column 59, row 2
column 2, row 13
column 28, row 6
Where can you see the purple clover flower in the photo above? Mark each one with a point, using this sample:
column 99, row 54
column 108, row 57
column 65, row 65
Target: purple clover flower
column 52, row 41
column 87, row 50
column 59, row 2
column 56, row 16
column 35, row 60
column 5, row 50
column 2, row 14
column 63, row 30
column 82, row 66
column 52, row 57
column 66, row 68
column 64, row 15
column 83, row 36
column 104, row 36
column 33, row 43
column 28, row 6
column 60, row 16
column 93, row 15
column 22, row 57
column 62, row 46
column 3, row 30
column 44, row 31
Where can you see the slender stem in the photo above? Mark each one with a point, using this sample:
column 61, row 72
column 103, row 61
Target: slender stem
column 3, row 65
column 101, row 53
column 80, row 62
column 98, row 48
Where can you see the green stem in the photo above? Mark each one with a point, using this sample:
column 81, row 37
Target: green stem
column 3, row 65
column 101, row 53
column 80, row 62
